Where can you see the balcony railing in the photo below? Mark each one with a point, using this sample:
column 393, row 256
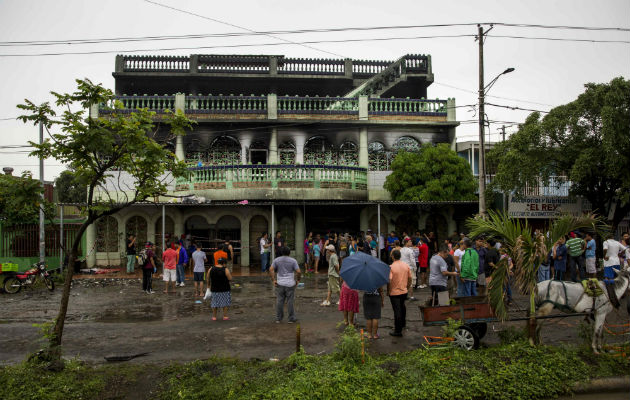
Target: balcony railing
column 558, row 186
column 285, row 105
column 274, row 176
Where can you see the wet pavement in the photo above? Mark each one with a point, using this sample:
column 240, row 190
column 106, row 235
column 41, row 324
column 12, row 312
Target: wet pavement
column 114, row 316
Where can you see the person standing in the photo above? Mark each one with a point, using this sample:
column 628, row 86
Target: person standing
column 439, row 273
column 589, row 256
column 397, row 289
column 317, row 253
column 480, row 248
column 182, row 261
column 229, row 250
column 285, row 274
column 264, row 252
column 391, row 239
column 559, row 252
column 423, row 261
column 333, row 274
column 612, row 248
column 218, row 281
column 278, row 243
column 148, row 267
column 457, row 256
column 131, row 254
column 576, row 247
column 469, row 269
column 220, row 253
column 169, row 257
column 308, row 251
column 406, row 256
column 199, row 268
column 373, row 302
column 492, row 258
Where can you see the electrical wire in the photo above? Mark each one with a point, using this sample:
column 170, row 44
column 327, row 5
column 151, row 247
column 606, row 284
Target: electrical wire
column 516, row 108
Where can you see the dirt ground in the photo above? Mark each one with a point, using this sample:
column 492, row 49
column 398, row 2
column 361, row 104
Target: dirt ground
column 112, row 315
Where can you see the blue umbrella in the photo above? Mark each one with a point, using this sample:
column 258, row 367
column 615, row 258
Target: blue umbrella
column 361, row 271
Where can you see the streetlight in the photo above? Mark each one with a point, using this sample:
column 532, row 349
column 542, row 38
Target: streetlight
column 482, row 148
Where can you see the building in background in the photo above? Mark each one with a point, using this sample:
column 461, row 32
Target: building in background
column 312, row 137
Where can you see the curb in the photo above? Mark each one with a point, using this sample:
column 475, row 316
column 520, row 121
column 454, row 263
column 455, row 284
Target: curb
column 600, row 385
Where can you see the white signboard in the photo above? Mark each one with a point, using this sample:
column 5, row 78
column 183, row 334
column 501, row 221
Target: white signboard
column 545, row 207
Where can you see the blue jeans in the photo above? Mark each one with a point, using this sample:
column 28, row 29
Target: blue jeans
column 283, row 294
column 131, row 263
column 470, row 288
column 461, row 290
column 559, row 275
column 544, row 273
column 181, row 274
column 264, row 262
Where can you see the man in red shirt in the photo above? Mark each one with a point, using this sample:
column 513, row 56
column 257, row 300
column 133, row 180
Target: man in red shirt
column 397, row 289
column 170, row 261
column 423, row 262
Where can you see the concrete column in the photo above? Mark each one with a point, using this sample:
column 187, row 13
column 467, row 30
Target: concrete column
column 94, row 111
column 450, row 110
column 180, row 155
column 120, row 64
column 273, row 65
column 90, row 239
column 178, row 224
column 363, row 108
column 273, row 147
column 363, row 148
column 348, row 68
column 245, row 143
column 151, row 231
column 272, row 106
column 300, row 234
column 180, row 102
column 194, row 64
column 299, row 148
column 363, row 219
column 244, row 242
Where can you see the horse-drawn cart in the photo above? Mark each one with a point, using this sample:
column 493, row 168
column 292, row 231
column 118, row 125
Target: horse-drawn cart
column 474, row 312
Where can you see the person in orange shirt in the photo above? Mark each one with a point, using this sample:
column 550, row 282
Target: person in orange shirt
column 220, row 253
column 397, row 289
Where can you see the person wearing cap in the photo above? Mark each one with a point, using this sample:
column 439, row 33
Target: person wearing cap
column 333, row 273
column 218, row 280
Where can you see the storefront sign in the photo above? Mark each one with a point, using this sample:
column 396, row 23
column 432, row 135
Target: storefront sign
column 545, row 207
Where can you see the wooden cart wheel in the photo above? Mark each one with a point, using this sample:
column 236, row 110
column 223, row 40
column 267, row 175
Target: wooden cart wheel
column 480, row 328
column 466, row 338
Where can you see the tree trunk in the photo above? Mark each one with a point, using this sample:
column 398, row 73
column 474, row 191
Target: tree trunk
column 532, row 333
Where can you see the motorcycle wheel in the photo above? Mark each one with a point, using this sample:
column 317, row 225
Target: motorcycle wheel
column 12, row 285
column 50, row 284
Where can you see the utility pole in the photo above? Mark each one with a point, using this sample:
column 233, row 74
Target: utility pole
column 42, row 237
column 505, row 205
column 482, row 147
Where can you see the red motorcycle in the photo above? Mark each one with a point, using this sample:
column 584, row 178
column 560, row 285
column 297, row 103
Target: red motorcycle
column 15, row 282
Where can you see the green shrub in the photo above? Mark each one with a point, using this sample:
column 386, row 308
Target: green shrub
column 511, row 335
column 349, row 346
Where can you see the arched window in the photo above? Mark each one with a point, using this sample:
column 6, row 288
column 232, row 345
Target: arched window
column 406, row 143
column 137, row 226
column 348, row 154
column 379, row 158
column 318, row 150
column 224, row 150
column 287, row 153
column 107, row 235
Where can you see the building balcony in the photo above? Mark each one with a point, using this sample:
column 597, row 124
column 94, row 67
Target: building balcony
column 214, row 108
column 255, row 182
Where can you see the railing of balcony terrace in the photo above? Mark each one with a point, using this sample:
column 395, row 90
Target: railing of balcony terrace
column 395, row 106
column 154, row 103
column 311, row 66
column 558, row 186
column 233, row 64
column 226, row 104
column 369, row 67
column 284, row 176
column 317, row 105
column 416, row 63
column 156, row 64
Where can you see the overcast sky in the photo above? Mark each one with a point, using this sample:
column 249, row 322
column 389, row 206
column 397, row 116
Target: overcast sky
column 548, row 73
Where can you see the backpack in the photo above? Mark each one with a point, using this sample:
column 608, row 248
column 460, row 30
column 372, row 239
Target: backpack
column 142, row 257
column 470, row 265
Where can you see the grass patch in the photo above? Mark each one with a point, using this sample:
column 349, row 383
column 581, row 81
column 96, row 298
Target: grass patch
column 513, row 370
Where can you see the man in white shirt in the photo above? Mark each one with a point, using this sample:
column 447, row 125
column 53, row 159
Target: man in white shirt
column 612, row 248
column 265, row 249
column 406, row 256
column 288, row 276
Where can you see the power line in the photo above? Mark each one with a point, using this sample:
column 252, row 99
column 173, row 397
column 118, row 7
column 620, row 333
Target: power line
column 516, row 108
column 239, row 27
column 497, row 97
column 236, row 46
column 560, row 39
column 285, row 32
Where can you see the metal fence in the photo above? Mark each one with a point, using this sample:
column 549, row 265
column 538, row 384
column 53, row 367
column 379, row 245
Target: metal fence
column 23, row 240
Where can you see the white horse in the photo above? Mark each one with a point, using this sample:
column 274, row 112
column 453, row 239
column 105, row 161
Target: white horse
column 570, row 296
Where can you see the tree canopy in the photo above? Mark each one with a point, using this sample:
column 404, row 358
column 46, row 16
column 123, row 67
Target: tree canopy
column 585, row 140
column 96, row 149
column 436, row 173
column 69, row 189
column 20, row 198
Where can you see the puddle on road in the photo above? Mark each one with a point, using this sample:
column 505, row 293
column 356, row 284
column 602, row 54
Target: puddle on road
column 163, row 312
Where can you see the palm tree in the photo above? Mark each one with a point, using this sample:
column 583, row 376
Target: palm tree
column 527, row 251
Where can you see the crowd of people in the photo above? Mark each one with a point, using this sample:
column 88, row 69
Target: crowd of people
column 458, row 265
